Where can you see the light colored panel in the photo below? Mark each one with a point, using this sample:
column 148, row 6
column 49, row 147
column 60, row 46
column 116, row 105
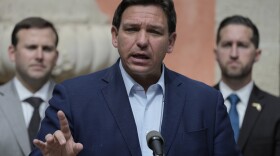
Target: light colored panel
column 78, row 11
column 84, row 34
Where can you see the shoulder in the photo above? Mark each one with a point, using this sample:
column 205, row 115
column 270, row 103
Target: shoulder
column 264, row 95
column 6, row 88
column 192, row 89
column 189, row 83
column 270, row 101
column 92, row 80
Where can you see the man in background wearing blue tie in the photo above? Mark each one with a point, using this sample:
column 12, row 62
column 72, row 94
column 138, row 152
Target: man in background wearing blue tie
column 254, row 114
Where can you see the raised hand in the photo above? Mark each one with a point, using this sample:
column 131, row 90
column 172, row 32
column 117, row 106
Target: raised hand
column 61, row 143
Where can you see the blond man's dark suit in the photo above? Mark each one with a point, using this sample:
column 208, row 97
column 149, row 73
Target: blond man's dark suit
column 14, row 139
column 260, row 132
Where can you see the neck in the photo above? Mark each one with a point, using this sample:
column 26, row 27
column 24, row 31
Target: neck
column 236, row 84
column 146, row 81
column 32, row 85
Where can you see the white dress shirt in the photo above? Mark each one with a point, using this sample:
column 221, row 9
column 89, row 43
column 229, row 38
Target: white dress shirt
column 147, row 107
column 25, row 93
column 243, row 94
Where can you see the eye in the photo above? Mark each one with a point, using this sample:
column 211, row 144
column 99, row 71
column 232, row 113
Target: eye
column 226, row 45
column 242, row 45
column 131, row 29
column 31, row 47
column 48, row 48
column 156, row 32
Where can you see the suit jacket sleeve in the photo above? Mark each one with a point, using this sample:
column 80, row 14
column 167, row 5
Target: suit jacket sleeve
column 51, row 123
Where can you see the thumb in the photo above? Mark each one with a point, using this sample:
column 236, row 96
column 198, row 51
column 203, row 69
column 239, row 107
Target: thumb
column 78, row 147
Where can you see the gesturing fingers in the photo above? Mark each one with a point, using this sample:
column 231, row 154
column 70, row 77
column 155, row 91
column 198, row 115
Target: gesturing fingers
column 45, row 146
column 40, row 144
column 59, row 137
column 61, row 141
column 77, row 148
column 64, row 126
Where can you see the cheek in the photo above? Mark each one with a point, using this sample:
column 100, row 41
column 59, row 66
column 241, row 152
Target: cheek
column 247, row 57
column 125, row 45
column 250, row 61
column 159, row 47
column 225, row 55
column 50, row 59
column 222, row 59
column 22, row 63
column 22, row 58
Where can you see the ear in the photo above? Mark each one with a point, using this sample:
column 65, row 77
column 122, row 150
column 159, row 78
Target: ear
column 114, row 33
column 216, row 53
column 12, row 53
column 171, row 42
column 258, row 55
column 57, row 54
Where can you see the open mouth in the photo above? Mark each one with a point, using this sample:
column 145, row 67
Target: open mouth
column 140, row 56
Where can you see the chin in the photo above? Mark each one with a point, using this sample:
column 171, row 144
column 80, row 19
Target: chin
column 38, row 76
column 234, row 75
column 139, row 69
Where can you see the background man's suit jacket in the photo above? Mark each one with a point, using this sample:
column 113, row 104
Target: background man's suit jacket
column 260, row 132
column 195, row 121
column 14, row 140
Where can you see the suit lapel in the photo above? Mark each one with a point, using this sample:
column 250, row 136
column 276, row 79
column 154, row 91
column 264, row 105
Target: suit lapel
column 251, row 116
column 10, row 104
column 121, row 109
column 50, row 91
column 117, row 99
column 173, row 108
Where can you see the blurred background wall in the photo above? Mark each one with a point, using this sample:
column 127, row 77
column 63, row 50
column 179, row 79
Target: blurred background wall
column 85, row 40
column 84, row 34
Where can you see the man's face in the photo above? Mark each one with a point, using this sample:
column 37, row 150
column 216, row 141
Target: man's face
column 235, row 52
column 35, row 55
column 143, row 40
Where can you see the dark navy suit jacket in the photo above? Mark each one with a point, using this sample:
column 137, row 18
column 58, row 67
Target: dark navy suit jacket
column 260, row 132
column 195, row 121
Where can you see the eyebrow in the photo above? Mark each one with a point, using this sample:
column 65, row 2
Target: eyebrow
column 138, row 24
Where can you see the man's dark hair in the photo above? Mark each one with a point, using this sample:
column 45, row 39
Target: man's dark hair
column 32, row 22
column 240, row 20
column 166, row 5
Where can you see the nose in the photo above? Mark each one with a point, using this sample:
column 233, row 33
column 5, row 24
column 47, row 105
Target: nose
column 142, row 39
column 39, row 54
column 234, row 52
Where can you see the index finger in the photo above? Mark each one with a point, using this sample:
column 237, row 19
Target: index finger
column 64, row 126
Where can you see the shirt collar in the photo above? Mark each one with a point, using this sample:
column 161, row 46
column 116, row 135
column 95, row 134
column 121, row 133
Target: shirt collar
column 25, row 93
column 243, row 93
column 130, row 82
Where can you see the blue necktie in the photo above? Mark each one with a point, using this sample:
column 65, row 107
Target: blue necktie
column 233, row 115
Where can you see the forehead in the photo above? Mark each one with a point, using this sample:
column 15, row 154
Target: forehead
column 236, row 31
column 144, row 14
column 34, row 34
